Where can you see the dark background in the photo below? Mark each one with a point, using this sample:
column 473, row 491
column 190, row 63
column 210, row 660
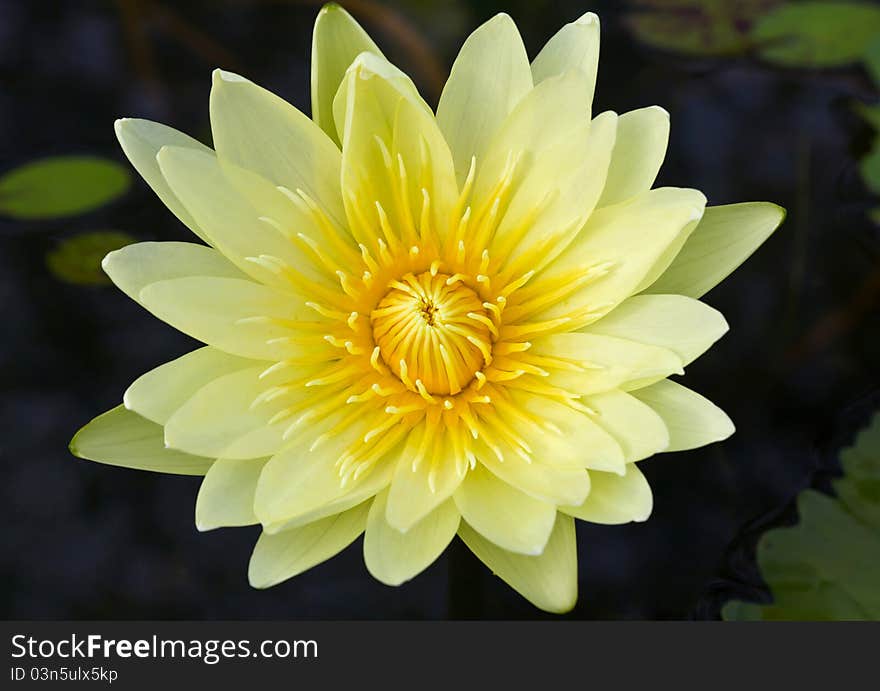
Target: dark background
column 798, row 372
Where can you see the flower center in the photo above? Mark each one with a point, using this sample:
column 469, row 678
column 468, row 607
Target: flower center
column 433, row 332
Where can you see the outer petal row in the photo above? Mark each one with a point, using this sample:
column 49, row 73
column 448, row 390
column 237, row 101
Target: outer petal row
column 724, row 239
column 141, row 141
column 547, row 580
column 282, row 556
column 124, row 438
column 393, row 556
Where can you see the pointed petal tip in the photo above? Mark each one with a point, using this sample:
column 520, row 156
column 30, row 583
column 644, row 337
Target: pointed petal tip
column 587, row 19
column 162, row 154
column 781, row 210
column 729, row 429
column 167, row 153
column 367, row 65
column 258, row 583
column 500, row 18
column 384, row 578
column 72, row 446
column 107, row 261
column 122, row 127
column 398, row 520
column 331, row 7
column 126, row 396
column 219, row 75
column 563, row 606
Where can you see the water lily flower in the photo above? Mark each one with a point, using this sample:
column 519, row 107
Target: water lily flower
column 419, row 325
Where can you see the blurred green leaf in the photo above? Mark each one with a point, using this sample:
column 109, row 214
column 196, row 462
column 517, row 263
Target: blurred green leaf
column 827, row 567
column 872, row 59
column 78, row 259
column 817, row 34
column 736, row 610
column 870, row 167
column 61, row 186
column 697, row 27
column 859, row 488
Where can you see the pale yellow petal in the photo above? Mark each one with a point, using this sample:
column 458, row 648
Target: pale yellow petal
column 234, row 225
column 537, row 478
column 565, row 437
column 314, row 247
column 691, row 419
column 239, row 317
column 615, row 499
column 285, row 555
column 636, row 427
column 681, row 324
column 574, row 47
column 221, row 420
column 606, row 362
column 725, row 237
column 549, row 580
column 141, row 140
column 489, row 77
column 558, row 161
column 369, row 64
column 416, row 491
column 136, row 266
column 642, row 137
column 226, row 495
column 394, row 557
column 333, row 502
column 259, row 131
column 123, row 438
column 621, row 244
column 502, row 514
column 304, row 478
column 158, row 393
column 336, row 41
column 397, row 169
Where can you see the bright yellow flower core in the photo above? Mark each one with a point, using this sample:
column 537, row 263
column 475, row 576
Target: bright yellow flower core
column 432, row 331
column 429, row 333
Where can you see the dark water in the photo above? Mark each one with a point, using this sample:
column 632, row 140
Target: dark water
column 798, row 372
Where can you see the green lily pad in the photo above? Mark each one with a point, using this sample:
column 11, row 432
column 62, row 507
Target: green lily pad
column 827, row 567
column 78, row 259
column 61, row 186
column 817, row 34
column 697, row 27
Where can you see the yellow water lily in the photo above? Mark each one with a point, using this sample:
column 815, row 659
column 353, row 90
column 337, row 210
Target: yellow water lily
column 420, row 325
